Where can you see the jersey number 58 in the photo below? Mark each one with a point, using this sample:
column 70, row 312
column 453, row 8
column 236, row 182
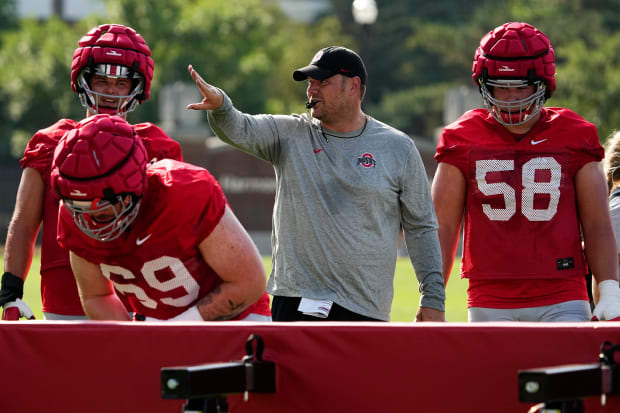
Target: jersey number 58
column 529, row 188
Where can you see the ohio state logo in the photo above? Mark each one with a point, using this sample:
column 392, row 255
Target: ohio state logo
column 367, row 160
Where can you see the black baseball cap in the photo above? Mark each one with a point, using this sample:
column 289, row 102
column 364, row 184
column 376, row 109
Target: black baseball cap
column 331, row 61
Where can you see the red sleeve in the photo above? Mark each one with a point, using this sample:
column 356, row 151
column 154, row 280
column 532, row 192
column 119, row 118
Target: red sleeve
column 581, row 136
column 472, row 128
column 158, row 145
column 39, row 152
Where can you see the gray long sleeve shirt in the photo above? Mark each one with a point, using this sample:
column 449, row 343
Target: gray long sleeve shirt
column 339, row 204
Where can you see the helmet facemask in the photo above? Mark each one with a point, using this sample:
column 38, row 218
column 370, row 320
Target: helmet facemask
column 126, row 103
column 119, row 212
column 516, row 112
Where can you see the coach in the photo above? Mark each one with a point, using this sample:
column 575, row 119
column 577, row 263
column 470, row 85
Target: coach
column 345, row 184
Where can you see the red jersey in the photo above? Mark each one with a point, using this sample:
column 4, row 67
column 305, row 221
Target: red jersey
column 157, row 265
column 58, row 289
column 521, row 220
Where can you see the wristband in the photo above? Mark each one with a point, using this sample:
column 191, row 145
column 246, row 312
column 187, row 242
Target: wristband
column 11, row 288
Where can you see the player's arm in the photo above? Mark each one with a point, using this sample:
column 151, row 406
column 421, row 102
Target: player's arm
column 448, row 192
column 598, row 237
column 232, row 254
column 96, row 292
column 25, row 223
column 20, row 241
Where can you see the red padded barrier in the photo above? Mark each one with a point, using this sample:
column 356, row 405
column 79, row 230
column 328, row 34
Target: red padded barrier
column 339, row 367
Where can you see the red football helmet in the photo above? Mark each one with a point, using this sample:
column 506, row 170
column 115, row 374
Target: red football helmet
column 99, row 171
column 515, row 55
column 115, row 51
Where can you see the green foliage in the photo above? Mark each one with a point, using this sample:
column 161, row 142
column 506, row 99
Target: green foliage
column 238, row 45
column 589, row 81
column 414, row 52
column 287, row 95
column 34, row 80
column 418, row 108
column 8, row 11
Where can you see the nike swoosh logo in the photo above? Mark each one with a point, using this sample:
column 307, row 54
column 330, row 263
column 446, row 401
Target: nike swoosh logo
column 533, row 142
column 317, row 150
column 140, row 241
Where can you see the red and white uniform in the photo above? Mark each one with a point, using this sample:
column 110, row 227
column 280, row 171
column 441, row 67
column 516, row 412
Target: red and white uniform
column 522, row 242
column 58, row 288
column 157, row 266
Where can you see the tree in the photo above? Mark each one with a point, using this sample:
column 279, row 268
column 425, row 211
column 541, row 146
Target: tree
column 415, row 52
column 420, row 46
column 8, row 21
column 35, row 78
column 589, row 80
column 235, row 45
column 8, row 15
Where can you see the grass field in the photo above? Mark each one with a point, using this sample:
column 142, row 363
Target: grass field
column 404, row 306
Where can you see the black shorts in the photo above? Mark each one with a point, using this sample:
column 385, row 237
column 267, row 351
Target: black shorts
column 285, row 309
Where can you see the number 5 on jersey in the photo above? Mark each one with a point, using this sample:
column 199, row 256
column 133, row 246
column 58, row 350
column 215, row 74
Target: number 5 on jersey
column 529, row 188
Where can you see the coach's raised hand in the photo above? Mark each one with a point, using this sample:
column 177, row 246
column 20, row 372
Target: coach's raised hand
column 212, row 97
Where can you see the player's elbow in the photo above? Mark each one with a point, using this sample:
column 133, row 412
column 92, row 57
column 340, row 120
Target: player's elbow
column 256, row 284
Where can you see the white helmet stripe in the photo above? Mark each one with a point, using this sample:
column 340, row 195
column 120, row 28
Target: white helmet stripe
column 112, row 70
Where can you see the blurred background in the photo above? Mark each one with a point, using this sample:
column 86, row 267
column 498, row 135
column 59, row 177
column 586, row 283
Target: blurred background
column 418, row 55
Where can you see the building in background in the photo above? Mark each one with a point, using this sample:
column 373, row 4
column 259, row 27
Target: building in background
column 68, row 10
column 73, row 10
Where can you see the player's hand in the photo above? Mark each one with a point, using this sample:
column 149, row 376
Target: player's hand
column 11, row 292
column 14, row 310
column 608, row 307
column 430, row 314
column 140, row 318
column 191, row 314
column 12, row 288
column 212, row 96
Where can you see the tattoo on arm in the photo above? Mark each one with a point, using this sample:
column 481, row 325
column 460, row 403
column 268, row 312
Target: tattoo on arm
column 220, row 314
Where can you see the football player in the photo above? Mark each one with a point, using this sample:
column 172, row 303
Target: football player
column 611, row 166
column 111, row 72
column 162, row 237
column 528, row 182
